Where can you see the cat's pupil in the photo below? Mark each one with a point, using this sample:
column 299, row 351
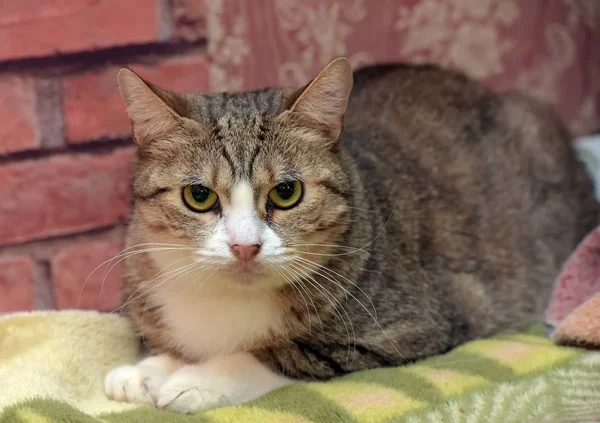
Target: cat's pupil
column 285, row 190
column 200, row 193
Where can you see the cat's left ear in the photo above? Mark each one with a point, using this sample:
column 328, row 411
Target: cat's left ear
column 323, row 102
column 152, row 110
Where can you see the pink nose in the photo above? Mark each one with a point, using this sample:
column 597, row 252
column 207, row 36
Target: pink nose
column 245, row 252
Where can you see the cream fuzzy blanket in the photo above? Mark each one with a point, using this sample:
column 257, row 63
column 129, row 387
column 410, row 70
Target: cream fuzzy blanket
column 52, row 366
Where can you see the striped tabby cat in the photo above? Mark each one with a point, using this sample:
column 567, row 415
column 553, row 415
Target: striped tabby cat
column 368, row 219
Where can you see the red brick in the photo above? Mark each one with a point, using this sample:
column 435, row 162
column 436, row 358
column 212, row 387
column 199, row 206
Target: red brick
column 17, row 284
column 76, row 283
column 30, row 113
column 94, row 109
column 35, row 28
column 18, row 130
column 63, row 194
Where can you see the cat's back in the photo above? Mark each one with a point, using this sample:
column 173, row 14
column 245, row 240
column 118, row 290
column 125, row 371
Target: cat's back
column 429, row 110
column 489, row 186
column 454, row 132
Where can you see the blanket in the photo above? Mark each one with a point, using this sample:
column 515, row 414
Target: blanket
column 52, row 366
column 573, row 316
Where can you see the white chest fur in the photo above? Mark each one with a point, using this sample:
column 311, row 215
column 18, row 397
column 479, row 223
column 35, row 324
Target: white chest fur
column 212, row 322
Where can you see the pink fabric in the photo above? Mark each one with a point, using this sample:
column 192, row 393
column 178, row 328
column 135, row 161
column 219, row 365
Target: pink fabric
column 582, row 326
column 550, row 48
column 576, row 287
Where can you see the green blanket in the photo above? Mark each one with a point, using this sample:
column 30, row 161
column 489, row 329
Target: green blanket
column 52, row 366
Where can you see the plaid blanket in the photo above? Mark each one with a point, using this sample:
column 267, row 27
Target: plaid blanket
column 52, row 366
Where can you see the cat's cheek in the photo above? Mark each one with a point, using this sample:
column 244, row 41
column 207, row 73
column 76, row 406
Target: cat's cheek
column 222, row 381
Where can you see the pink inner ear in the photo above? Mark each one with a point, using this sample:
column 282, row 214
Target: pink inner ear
column 578, row 281
column 325, row 99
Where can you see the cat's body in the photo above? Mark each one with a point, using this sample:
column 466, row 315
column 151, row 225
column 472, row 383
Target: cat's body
column 443, row 213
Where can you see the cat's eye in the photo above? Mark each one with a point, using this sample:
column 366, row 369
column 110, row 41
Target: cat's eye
column 286, row 195
column 199, row 198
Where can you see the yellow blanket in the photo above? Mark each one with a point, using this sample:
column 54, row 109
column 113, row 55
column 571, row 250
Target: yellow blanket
column 52, row 366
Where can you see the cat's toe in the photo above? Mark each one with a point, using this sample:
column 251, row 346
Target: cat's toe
column 189, row 394
column 134, row 384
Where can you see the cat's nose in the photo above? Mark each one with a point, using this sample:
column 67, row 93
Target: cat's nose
column 245, row 252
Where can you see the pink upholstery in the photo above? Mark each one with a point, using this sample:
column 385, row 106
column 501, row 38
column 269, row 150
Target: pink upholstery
column 545, row 47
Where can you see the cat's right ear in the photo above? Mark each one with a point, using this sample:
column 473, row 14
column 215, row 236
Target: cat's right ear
column 153, row 111
column 323, row 102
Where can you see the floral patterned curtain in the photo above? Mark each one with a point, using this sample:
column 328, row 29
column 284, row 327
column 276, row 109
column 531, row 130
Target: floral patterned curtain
column 549, row 48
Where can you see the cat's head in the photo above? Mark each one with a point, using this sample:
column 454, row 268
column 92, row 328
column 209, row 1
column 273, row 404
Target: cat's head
column 247, row 188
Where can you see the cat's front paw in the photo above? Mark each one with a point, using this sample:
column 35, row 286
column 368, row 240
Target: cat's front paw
column 189, row 390
column 141, row 383
column 134, row 384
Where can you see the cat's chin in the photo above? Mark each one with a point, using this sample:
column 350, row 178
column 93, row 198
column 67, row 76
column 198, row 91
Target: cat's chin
column 245, row 274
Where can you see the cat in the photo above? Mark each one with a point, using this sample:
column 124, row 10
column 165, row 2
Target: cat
column 368, row 219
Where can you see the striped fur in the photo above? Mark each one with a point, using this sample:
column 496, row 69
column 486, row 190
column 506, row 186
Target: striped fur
column 442, row 213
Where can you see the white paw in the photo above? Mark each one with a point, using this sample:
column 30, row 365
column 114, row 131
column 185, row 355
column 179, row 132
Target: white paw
column 134, row 384
column 189, row 391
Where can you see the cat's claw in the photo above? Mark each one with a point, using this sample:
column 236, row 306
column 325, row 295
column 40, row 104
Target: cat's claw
column 189, row 392
column 134, row 384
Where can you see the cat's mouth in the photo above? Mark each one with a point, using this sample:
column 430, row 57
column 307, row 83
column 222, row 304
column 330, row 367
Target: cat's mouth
column 245, row 273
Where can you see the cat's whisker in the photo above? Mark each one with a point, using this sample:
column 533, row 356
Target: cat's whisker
column 276, row 261
column 194, row 274
column 365, row 210
column 108, row 262
column 198, row 287
column 357, row 249
column 155, row 243
column 129, row 255
column 310, row 253
column 151, row 245
column 306, row 273
column 322, row 245
column 380, row 231
column 131, row 300
column 373, row 317
column 304, row 248
column 162, row 273
column 217, row 260
column 201, row 270
column 202, row 266
column 293, row 283
column 333, row 301
column 146, row 244
column 171, row 274
column 197, row 267
column 297, row 277
column 363, row 306
column 325, row 268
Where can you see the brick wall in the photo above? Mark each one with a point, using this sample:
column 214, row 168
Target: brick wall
column 65, row 148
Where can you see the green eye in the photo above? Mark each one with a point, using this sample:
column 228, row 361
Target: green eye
column 286, row 195
column 199, row 198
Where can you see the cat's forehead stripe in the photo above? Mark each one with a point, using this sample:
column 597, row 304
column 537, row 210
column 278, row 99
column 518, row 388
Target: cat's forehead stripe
column 250, row 167
column 225, row 105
